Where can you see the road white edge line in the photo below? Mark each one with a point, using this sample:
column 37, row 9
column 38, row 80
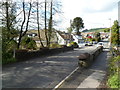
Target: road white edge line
column 57, row 86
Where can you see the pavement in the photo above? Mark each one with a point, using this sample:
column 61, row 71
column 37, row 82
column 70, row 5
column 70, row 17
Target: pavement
column 99, row 72
column 44, row 72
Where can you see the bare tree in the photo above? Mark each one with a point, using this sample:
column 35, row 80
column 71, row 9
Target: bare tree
column 50, row 24
column 9, row 32
column 54, row 8
column 8, row 20
column 47, row 43
column 22, row 33
column 39, row 25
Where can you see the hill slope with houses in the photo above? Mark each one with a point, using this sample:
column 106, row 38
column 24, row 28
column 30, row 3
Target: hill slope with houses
column 97, row 30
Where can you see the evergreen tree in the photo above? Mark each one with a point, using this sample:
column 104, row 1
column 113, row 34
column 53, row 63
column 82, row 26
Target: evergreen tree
column 77, row 24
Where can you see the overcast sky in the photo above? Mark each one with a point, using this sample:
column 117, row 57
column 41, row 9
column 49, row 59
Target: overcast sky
column 95, row 13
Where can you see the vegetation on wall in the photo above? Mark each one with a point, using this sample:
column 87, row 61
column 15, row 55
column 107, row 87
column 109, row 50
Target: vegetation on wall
column 55, row 45
column 114, row 69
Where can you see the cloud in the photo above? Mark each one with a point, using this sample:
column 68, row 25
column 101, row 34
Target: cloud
column 95, row 6
column 95, row 13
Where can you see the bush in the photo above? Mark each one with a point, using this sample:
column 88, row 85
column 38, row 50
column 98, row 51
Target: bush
column 7, row 58
column 63, row 46
column 32, row 45
column 28, row 43
column 113, row 80
column 107, row 30
column 55, row 45
column 74, row 44
column 113, row 66
column 7, row 51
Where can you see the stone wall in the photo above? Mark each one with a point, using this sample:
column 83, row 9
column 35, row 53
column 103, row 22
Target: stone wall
column 25, row 55
column 86, row 59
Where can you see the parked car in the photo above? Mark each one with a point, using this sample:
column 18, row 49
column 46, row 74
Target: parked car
column 88, row 44
column 81, row 44
column 94, row 42
column 100, row 44
column 74, row 44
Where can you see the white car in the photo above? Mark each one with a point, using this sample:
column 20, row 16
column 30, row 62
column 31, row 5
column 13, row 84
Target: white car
column 99, row 44
column 80, row 44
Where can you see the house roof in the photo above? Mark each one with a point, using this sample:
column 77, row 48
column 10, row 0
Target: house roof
column 65, row 36
column 42, row 34
column 36, row 38
column 78, row 36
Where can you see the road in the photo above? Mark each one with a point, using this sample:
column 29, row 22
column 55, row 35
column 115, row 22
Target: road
column 91, row 77
column 44, row 72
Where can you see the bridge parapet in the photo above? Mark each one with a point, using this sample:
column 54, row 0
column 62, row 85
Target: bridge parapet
column 86, row 59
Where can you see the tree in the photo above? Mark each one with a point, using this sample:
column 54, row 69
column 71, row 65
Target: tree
column 50, row 23
column 39, row 25
column 46, row 24
column 77, row 24
column 8, row 20
column 107, row 30
column 9, row 31
column 28, row 43
column 115, row 33
column 51, row 8
column 97, row 36
column 23, row 33
column 69, row 30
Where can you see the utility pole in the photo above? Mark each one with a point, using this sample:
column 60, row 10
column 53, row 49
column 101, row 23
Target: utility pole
column 110, row 34
column 70, row 28
column 110, row 37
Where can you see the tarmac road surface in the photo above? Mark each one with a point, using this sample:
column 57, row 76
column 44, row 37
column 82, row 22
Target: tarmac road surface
column 44, row 72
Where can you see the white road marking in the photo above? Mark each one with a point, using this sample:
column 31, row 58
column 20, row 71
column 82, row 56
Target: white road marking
column 57, row 86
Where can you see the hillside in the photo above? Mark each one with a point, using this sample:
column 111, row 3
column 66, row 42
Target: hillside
column 95, row 30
